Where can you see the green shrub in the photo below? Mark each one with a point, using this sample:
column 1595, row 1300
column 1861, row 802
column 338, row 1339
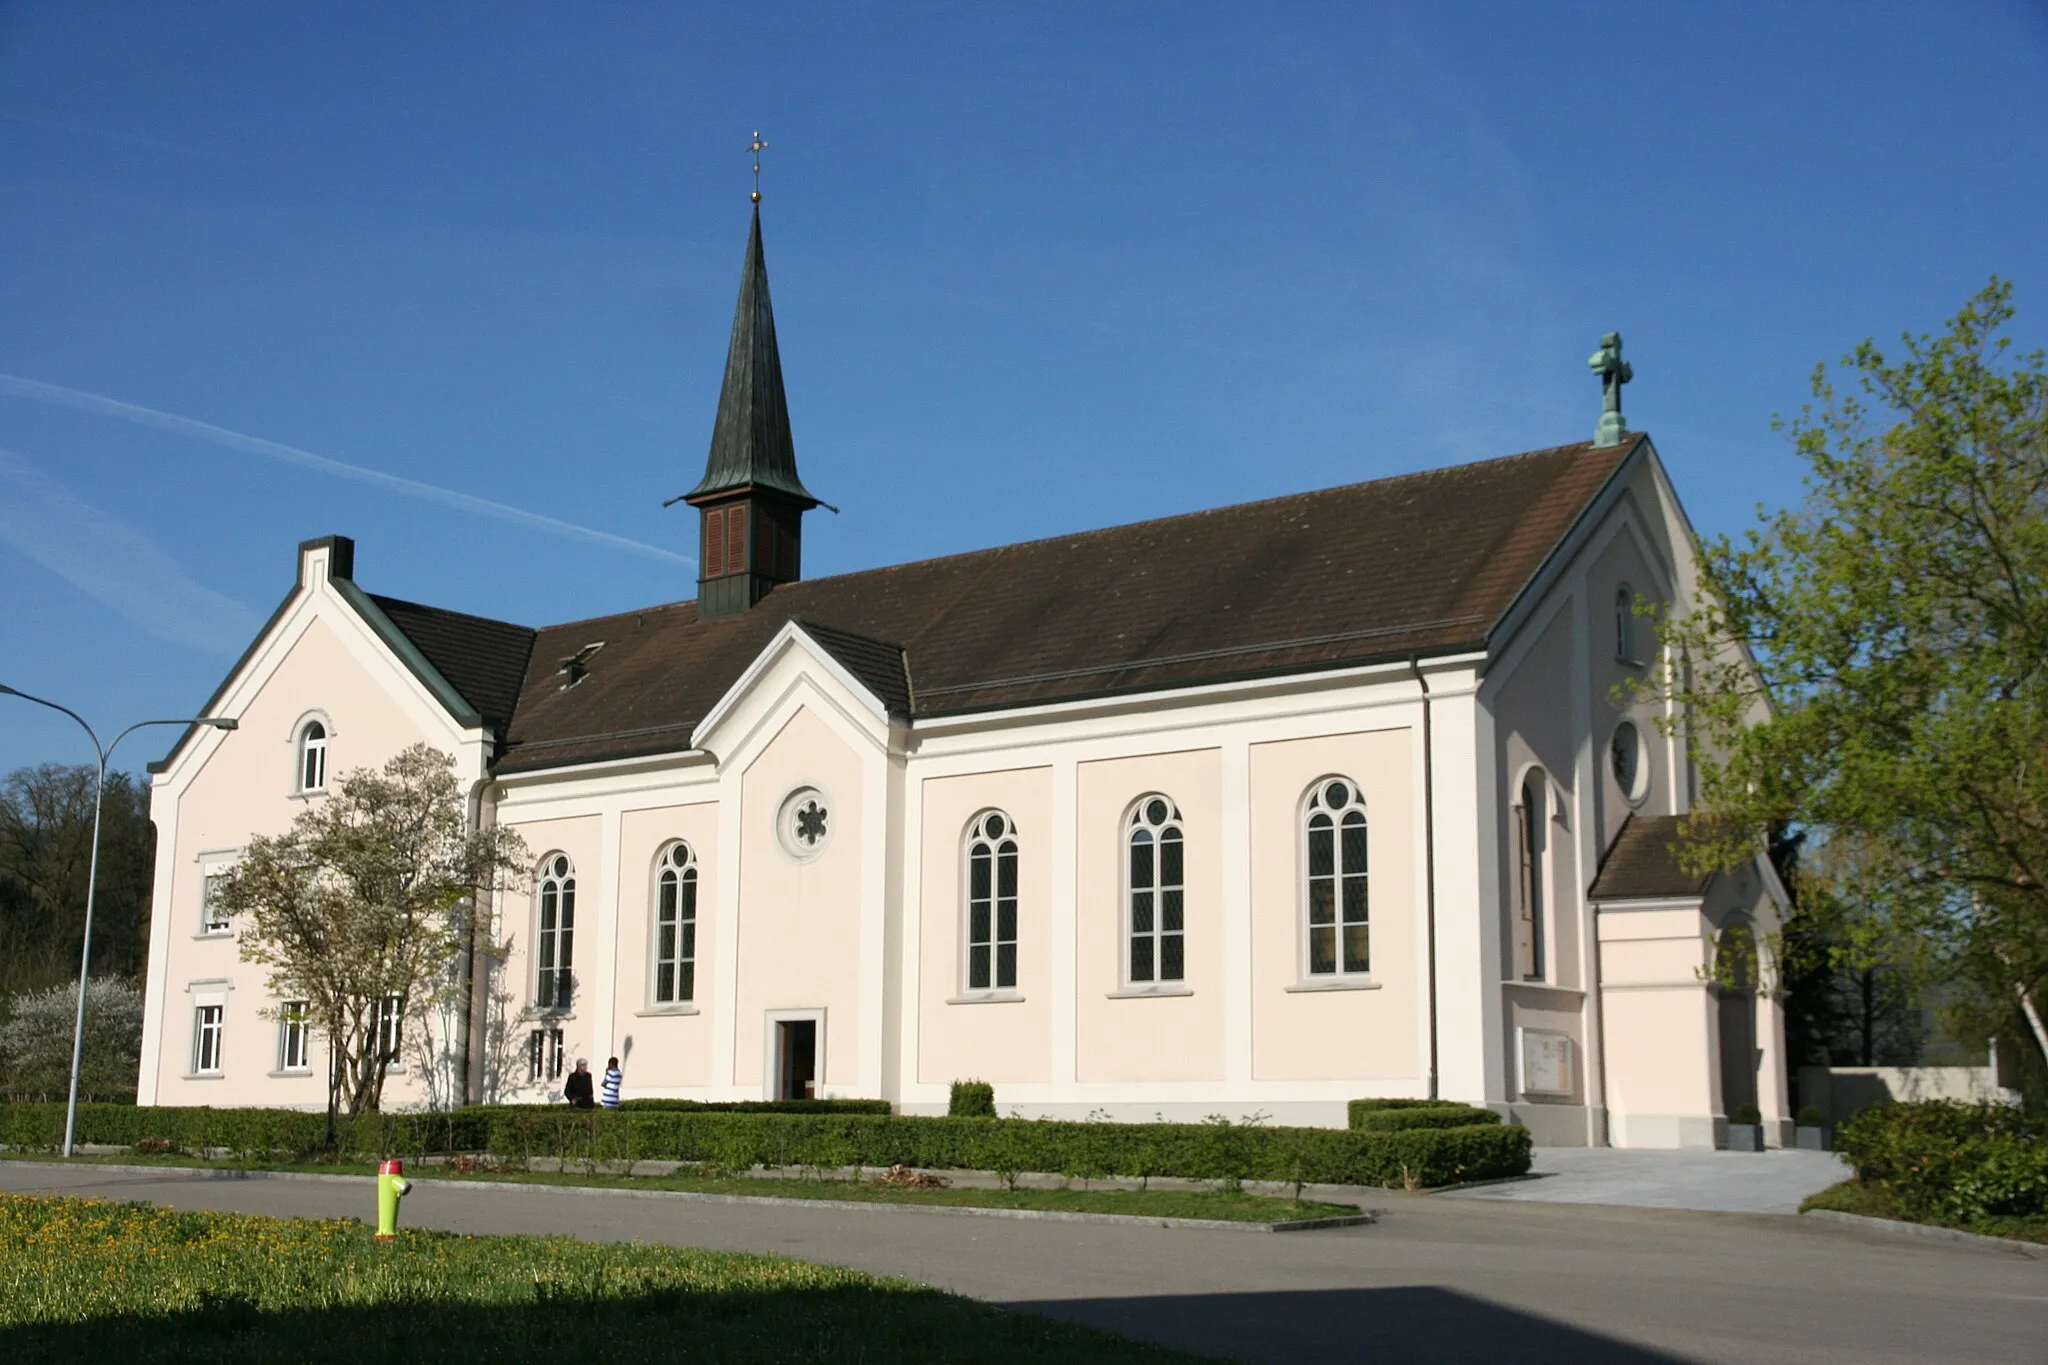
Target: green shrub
column 971, row 1100
column 1430, row 1156
column 1810, row 1116
column 1386, row 1116
column 1749, row 1115
column 1943, row 1160
column 757, row 1106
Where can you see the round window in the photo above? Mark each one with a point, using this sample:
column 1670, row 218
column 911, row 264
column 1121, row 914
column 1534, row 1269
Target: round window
column 805, row 824
column 1631, row 773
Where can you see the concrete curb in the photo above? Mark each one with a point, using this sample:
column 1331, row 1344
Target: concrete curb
column 690, row 1196
column 1927, row 1232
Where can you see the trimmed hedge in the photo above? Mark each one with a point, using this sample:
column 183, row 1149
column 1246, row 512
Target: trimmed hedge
column 747, row 1106
column 971, row 1100
column 1383, row 1116
column 1945, row 1160
column 1216, row 1150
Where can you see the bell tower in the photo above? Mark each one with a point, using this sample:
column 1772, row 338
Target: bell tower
column 750, row 502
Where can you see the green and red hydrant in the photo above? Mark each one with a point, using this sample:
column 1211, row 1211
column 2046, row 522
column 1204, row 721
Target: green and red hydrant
column 392, row 1186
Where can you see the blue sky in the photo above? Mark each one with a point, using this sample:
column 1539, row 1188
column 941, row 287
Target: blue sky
column 428, row 278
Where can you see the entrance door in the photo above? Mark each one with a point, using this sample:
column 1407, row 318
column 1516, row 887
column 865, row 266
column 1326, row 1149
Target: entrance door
column 1736, row 968
column 796, row 1059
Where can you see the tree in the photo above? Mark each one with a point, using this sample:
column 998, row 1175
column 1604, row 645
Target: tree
column 35, row 1042
column 367, row 908
column 1872, row 668
column 45, row 846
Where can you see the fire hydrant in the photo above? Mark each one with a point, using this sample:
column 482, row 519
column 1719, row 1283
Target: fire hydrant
column 392, row 1186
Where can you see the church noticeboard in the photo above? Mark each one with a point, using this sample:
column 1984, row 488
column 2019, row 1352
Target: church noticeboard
column 1546, row 1062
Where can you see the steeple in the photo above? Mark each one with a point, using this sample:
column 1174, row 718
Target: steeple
column 751, row 499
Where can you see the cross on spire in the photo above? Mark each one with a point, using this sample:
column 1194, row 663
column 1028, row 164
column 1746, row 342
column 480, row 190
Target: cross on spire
column 1614, row 372
column 756, row 147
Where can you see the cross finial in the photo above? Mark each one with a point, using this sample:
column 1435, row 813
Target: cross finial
column 755, row 147
column 1613, row 372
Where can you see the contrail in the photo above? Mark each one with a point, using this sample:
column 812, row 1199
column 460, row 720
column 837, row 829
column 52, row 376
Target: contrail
column 273, row 450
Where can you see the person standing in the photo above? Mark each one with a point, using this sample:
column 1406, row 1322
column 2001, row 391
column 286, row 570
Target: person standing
column 609, row 1087
column 577, row 1088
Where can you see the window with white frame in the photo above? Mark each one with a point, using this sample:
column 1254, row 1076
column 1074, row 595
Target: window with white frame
column 388, row 1023
column 555, row 935
column 1625, row 623
column 213, row 919
column 313, row 757
column 544, row 1055
column 675, row 925
column 207, row 1021
column 1155, row 893
column 292, row 1037
column 992, row 903
column 1531, row 875
column 1334, row 834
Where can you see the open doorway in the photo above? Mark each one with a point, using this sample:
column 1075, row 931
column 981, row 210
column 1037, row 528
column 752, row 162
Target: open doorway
column 796, row 1059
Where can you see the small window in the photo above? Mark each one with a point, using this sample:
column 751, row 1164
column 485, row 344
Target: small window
column 992, row 904
column 544, row 1055
column 212, row 918
column 206, row 1039
column 675, row 926
column 555, row 937
column 1334, row 830
column 292, row 1040
column 313, row 757
column 1625, row 623
column 804, row 825
column 388, row 1021
column 1156, row 893
column 1531, row 881
column 1625, row 757
column 736, row 539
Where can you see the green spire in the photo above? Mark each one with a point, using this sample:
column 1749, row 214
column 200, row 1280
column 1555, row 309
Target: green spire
column 750, row 441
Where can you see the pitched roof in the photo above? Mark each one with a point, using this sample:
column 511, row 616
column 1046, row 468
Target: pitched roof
column 1643, row 863
column 482, row 659
column 1422, row 563
column 750, row 440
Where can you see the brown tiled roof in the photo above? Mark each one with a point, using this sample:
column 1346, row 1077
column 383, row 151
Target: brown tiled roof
column 1419, row 563
column 482, row 659
column 1643, row 862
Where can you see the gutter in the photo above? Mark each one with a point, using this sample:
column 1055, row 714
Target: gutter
column 1428, row 860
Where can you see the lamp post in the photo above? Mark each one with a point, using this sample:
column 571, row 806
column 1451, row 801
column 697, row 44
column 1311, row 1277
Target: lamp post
column 99, row 792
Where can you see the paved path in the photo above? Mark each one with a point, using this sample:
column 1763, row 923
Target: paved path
column 1437, row 1280
column 1709, row 1181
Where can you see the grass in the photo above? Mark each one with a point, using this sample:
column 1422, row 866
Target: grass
column 1230, row 1206
column 1872, row 1201
column 84, row 1279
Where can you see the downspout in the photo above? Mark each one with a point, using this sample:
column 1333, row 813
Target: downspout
column 1428, row 860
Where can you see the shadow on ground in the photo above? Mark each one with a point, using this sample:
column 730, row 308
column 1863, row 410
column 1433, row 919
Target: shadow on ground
column 1385, row 1326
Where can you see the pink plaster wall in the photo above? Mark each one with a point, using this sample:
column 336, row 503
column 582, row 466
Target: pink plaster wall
column 1334, row 1034
column 1007, row 1042
column 662, row 1049
column 582, row 838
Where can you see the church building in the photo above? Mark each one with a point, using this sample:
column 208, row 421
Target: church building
column 1251, row 811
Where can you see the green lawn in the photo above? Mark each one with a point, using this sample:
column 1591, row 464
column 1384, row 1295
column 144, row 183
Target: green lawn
column 1853, row 1197
column 88, row 1280
column 1232, row 1207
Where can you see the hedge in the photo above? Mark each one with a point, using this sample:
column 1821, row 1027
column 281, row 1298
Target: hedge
column 1379, row 1116
column 748, row 1106
column 971, row 1100
column 1945, row 1160
column 1217, row 1150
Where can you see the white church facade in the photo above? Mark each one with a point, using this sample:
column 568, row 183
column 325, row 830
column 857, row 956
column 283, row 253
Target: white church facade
column 1257, row 810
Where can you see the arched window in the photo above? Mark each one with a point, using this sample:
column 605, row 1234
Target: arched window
column 1625, row 623
column 992, row 903
column 1334, row 829
column 675, row 926
column 1156, row 891
column 313, row 757
column 1531, row 873
column 555, row 936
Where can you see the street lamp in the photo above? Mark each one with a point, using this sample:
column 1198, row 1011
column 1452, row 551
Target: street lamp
column 99, row 792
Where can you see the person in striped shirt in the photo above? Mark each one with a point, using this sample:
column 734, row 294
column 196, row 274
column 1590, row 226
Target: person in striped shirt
column 608, row 1089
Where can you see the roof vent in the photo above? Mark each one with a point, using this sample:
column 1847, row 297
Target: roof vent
column 576, row 667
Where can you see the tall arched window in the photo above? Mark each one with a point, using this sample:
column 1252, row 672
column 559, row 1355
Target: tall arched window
column 313, row 757
column 1156, row 893
column 675, row 926
column 555, row 936
column 1625, row 623
column 992, row 903
column 1339, row 938
column 1531, row 876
